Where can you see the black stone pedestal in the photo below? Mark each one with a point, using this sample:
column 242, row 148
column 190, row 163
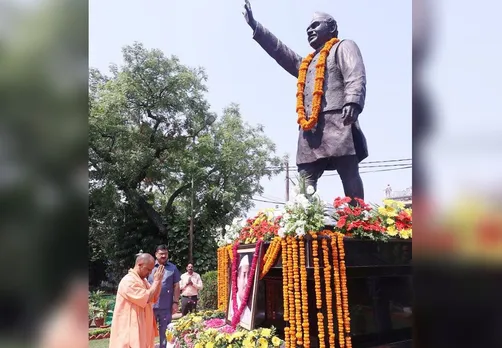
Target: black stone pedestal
column 379, row 283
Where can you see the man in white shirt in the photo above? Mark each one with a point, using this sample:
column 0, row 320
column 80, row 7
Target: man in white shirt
column 191, row 284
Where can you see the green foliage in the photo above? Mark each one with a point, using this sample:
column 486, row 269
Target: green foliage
column 100, row 331
column 209, row 293
column 148, row 141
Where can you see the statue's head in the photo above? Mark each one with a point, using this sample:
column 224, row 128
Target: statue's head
column 322, row 28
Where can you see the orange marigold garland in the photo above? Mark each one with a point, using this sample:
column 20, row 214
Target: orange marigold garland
column 222, row 278
column 304, row 295
column 345, row 294
column 338, row 292
column 291, row 295
column 329, row 294
column 297, row 294
column 270, row 256
column 317, row 284
column 318, row 86
column 230, row 252
column 285, row 292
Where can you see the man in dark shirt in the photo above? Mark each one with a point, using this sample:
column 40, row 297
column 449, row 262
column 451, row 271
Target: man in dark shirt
column 169, row 297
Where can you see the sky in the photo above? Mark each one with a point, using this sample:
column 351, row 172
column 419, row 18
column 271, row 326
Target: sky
column 215, row 35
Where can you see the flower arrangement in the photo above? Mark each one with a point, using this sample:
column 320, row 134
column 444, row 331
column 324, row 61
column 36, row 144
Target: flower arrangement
column 207, row 330
column 358, row 221
column 232, row 232
column 262, row 338
column 264, row 226
column 395, row 218
column 304, row 213
column 190, row 323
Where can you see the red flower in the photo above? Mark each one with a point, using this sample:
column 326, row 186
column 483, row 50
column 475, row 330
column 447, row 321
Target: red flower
column 341, row 201
column 341, row 222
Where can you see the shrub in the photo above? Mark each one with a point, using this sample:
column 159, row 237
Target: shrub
column 208, row 296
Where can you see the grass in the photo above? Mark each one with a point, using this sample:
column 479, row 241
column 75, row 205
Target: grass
column 99, row 343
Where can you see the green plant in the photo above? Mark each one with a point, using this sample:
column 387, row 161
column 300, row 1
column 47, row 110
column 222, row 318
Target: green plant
column 102, row 308
column 99, row 331
column 209, row 293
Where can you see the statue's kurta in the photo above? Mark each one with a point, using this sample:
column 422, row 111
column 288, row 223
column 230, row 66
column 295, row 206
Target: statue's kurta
column 344, row 83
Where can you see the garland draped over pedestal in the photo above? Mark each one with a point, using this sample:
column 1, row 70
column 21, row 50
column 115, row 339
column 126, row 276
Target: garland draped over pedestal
column 295, row 292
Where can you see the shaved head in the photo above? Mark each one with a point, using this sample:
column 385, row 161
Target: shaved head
column 144, row 264
column 144, row 258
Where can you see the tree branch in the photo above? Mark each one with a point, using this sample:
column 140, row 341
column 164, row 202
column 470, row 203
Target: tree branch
column 176, row 193
column 133, row 196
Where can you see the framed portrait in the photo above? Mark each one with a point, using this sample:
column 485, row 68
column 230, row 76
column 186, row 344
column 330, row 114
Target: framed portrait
column 245, row 255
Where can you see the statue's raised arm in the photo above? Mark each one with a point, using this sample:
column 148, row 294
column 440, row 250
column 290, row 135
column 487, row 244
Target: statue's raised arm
column 286, row 57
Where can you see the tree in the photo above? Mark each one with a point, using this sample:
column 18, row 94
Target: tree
column 143, row 157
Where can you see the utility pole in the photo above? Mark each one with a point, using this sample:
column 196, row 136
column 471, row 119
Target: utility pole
column 208, row 121
column 192, row 202
column 287, row 178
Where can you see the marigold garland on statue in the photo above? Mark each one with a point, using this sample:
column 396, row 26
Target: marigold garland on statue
column 318, row 86
column 285, row 293
column 338, row 291
column 291, row 294
column 329, row 294
column 270, row 257
column 304, row 295
column 345, row 294
column 223, row 278
column 297, row 294
column 317, row 284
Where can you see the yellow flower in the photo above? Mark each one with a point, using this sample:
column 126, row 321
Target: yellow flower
column 197, row 319
column 209, row 345
column 399, row 205
column 266, row 332
column 391, row 231
column 389, row 221
column 247, row 343
column 405, row 234
column 262, row 342
column 276, row 341
column 198, row 345
column 237, row 334
column 229, row 346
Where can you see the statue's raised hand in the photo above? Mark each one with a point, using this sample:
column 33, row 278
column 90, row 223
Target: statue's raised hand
column 248, row 14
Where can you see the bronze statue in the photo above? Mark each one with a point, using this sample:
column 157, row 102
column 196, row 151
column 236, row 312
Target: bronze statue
column 330, row 137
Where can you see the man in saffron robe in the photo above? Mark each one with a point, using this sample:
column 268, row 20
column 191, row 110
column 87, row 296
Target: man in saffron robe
column 133, row 323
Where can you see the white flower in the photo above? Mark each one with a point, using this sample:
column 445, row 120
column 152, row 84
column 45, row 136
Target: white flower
column 290, row 205
column 310, row 190
column 300, row 223
column 281, row 232
column 300, row 231
column 296, row 190
column 227, row 228
column 286, row 217
column 303, row 202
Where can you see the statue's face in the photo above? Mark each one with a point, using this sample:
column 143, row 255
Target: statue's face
column 319, row 32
